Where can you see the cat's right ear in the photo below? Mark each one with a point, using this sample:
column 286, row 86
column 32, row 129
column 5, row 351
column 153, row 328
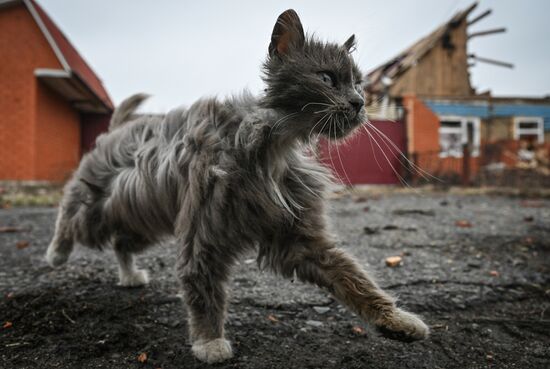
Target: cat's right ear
column 288, row 34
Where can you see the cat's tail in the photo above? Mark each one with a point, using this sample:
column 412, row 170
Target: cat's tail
column 123, row 112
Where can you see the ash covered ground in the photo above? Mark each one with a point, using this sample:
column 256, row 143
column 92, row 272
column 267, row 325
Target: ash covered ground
column 475, row 267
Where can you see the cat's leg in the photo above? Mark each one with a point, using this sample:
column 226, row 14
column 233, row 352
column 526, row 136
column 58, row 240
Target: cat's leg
column 62, row 243
column 129, row 274
column 321, row 263
column 204, row 276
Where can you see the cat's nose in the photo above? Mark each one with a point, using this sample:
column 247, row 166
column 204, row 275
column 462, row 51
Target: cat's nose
column 357, row 104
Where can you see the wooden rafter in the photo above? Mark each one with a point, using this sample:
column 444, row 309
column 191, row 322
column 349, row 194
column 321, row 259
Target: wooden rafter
column 487, row 32
column 480, row 17
column 491, row 61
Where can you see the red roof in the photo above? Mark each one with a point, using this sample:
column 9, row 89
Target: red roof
column 69, row 57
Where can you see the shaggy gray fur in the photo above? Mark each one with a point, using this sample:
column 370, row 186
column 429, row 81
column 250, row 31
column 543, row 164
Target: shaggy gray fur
column 224, row 177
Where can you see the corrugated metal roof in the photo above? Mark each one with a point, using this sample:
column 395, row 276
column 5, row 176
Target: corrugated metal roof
column 481, row 109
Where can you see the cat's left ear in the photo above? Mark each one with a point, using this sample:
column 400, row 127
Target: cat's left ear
column 288, row 34
column 350, row 44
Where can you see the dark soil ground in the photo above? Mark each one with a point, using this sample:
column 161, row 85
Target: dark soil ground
column 483, row 287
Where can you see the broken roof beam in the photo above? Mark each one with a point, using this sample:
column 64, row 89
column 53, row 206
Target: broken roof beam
column 480, row 17
column 491, row 61
column 485, row 33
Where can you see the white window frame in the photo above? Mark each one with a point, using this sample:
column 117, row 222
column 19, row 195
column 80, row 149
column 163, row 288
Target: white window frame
column 463, row 129
column 539, row 131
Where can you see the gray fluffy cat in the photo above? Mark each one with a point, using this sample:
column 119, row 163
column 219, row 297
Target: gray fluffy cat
column 224, row 177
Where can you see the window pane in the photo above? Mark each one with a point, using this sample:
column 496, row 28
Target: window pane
column 451, row 143
column 527, row 125
column 451, row 124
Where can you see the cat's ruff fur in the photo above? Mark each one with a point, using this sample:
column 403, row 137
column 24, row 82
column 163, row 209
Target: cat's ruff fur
column 228, row 176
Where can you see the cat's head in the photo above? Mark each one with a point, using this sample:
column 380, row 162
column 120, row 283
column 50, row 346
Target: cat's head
column 316, row 86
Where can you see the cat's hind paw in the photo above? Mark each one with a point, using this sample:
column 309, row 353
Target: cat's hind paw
column 55, row 258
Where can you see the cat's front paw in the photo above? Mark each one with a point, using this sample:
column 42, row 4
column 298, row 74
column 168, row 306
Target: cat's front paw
column 402, row 326
column 214, row 351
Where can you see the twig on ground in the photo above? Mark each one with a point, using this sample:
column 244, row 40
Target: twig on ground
column 68, row 317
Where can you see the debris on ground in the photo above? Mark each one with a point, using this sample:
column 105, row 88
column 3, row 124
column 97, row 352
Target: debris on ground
column 10, row 229
column 389, row 227
column 393, row 261
column 531, row 204
column 321, row 309
column 22, row 245
column 314, row 323
column 463, row 224
column 371, row 230
column 358, row 330
column 142, row 358
column 429, row 213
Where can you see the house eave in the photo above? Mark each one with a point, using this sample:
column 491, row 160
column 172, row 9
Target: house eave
column 8, row 3
column 69, row 85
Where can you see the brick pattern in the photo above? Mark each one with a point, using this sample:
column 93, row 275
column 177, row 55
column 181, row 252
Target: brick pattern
column 58, row 136
column 37, row 141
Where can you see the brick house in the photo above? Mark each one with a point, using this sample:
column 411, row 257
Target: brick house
column 52, row 104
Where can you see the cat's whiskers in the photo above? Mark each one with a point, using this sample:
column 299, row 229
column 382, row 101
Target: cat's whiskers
column 401, row 179
column 280, row 121
column 314, row 103
column 330, row 99
column 337, row 120
column 372, row 146
column 315, row 125
column 324, row 110
column 391, row 150
column 415, row 168
column 329, row 149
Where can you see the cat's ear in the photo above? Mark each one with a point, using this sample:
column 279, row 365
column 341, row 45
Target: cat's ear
column 288, row 34
column 350, row 44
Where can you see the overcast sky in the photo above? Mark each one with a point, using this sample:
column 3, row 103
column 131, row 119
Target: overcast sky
column 179, row 51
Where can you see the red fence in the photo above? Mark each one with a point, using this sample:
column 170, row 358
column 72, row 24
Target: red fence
column 371, row 156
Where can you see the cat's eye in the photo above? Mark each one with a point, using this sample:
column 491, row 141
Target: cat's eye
column 328, row 78
column 359, row 86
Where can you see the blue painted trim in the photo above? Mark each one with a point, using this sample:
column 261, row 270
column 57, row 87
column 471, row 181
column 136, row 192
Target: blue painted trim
column 481, row 109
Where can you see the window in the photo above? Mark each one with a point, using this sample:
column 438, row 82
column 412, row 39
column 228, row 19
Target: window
column 454, row 132
column 529, row 129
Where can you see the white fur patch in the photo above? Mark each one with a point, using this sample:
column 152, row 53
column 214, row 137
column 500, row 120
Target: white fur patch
column 214, row 351
column 56, row 258
column 134, row 279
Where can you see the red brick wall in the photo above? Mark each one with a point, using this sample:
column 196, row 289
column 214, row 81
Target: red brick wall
column 422, row 126
column 423, row 140
column 58, row 136
column 25, row 121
